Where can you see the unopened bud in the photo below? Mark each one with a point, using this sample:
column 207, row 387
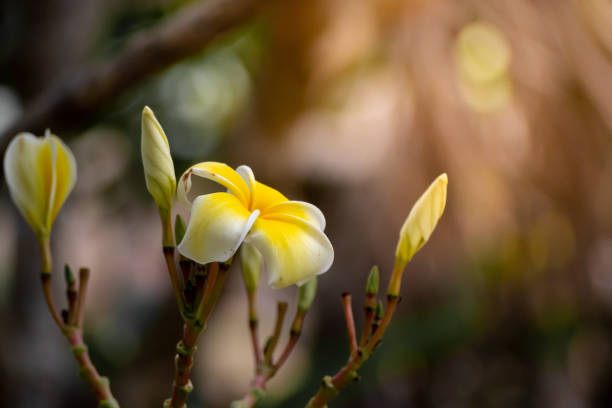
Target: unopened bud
column 421, row 220
column 69, row 275
column 251, row 261
column 157, row 161
column 373, row 281
column 308, row 291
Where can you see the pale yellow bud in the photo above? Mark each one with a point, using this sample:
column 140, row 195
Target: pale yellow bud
column 157, row 162
column 421, row 221
column 40, row 173
column 252, row 262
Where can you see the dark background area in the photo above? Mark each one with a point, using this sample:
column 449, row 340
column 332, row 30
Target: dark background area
column 355, row 106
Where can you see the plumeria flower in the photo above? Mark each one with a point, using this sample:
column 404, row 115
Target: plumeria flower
column 40, row 173
column 288, row 234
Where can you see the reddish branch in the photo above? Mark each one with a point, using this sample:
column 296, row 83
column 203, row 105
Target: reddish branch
column 69, row 104
column 71, row 325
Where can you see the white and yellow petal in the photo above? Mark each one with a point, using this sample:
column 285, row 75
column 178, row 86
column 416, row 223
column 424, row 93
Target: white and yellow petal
column 422, row 220
column 219, row 223
column 299, row 209
column 218, row 172
column 40, row 173
column 294, row 250
column 262, row 196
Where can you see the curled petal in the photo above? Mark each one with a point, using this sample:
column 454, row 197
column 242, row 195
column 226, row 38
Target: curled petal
column 294, row 250
column 218, row 172
column 299, row 209
column 218, row 224
column 262, row 196
column 40, row 173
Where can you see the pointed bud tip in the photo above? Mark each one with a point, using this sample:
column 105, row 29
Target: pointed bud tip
column 69, row 275
column 146, row 111
column 373, row 281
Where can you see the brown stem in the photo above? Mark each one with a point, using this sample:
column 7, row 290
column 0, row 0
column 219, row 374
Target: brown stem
column 74, row 335
column 197, row 286
column 72, row 296
column 46, row 285
column 392, row 302
column 210, row 301
column 185, row 349
column 176, row 287
column 80, row 312
column 281, row 310
column 253, row 325
column 186, row 265
column 88, row 372
column 370, row 306
column 294, row 336
column 266, row 372
column 350, row 321
column 331, row 386
column 213, row 271
column 257, row 391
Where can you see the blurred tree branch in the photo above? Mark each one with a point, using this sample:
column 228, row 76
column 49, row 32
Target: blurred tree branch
column 70, row 103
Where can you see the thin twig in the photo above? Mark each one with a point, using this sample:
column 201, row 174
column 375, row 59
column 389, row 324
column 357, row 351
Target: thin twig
column 99, row 384
column 281, row 310
column 265, row 372
column 368, row 310
column 46, row 285
column 253, row 325
column 211, row 301
column 186, row 348
column 294, row 336
column 211, row 280
column 331, row 386
column 80, row 312
column 176, row 288
column 350, row 321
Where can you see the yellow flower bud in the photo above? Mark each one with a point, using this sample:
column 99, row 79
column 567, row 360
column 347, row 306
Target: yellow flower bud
column 421, row 221
column 157, row 162
column 40, row 172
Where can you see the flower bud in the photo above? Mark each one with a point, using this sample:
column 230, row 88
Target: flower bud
column 157, row 162
column 421, row 221
column 251, row 261
column 179, row 228
column 380, row 311
column 40, row 174
column 69, row 275
column 373, row 281
column 308, row 291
